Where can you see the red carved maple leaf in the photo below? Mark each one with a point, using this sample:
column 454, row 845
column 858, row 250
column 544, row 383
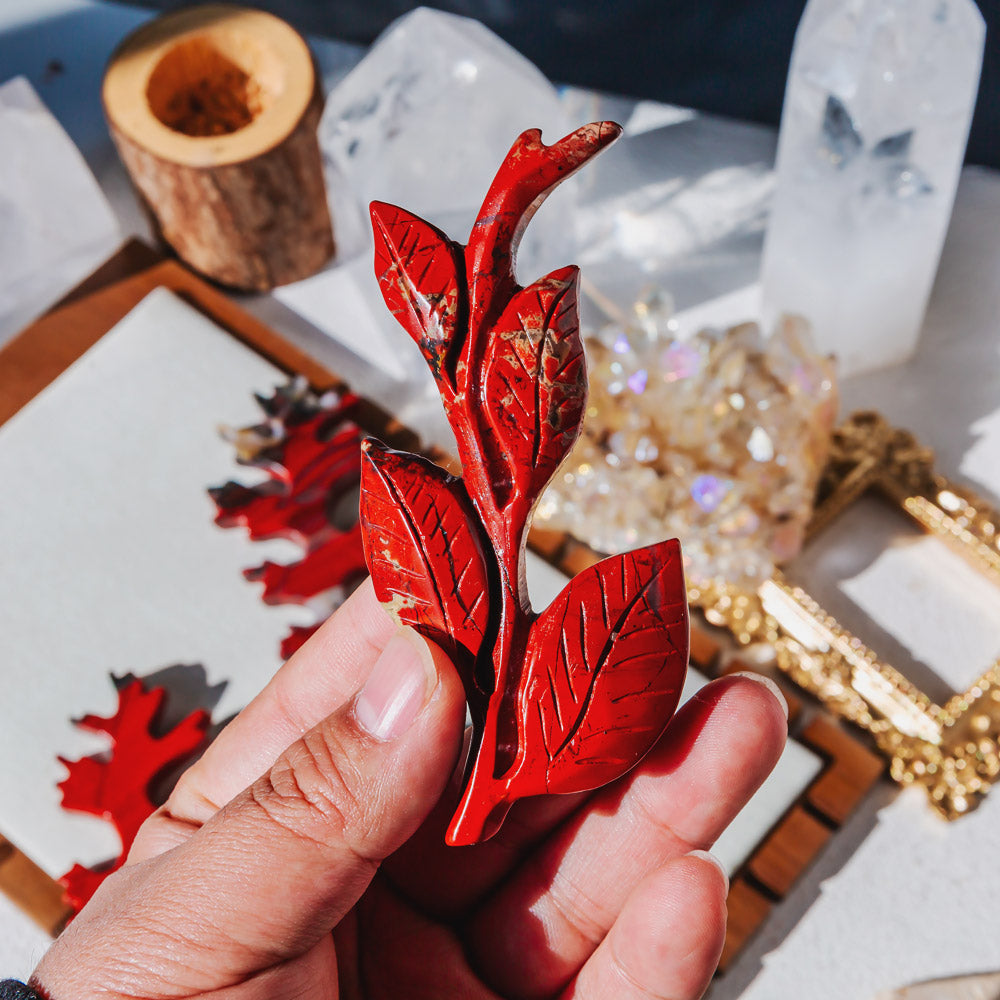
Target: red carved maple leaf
column 310, row 450
column 571, row 698
column 116, row 787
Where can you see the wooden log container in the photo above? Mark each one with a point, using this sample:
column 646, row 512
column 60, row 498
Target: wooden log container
column 214, row 111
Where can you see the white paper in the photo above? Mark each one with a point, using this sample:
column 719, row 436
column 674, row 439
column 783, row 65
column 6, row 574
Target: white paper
column 917, row 900
column 22, row 942
column 923, row 573
column 55, row 224
column 979, row 462
column 110, row 558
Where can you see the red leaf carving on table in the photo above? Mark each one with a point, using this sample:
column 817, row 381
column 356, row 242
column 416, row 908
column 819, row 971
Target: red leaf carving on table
column 423, row 546
column 117, row 789
column 311, row 452
column 572, row 698
column 535, row 385
column 304, row 469
column 418, row 269
column 328, row 565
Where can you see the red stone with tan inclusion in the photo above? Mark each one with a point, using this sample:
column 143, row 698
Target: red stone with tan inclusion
column 570, row 698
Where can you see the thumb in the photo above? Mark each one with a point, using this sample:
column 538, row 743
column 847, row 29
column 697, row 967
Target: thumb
column 272, row 872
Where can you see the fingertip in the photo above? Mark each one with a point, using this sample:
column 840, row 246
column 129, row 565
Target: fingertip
column 768, row 685
column 667, row 940
column 400, row 685
column 708, row 858
column 715, row 754
column 755, row 706
column 447, row 691
column 686, row 904
column 691, row 888
column 765, row 711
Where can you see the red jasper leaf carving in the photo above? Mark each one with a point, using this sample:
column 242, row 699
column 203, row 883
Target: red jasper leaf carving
column 117, row 789
column 572, row 698
column 311, row 451
column 536, row 381
column 418, row 270
column 606, row 668
column 423, row 547
column 528, row 174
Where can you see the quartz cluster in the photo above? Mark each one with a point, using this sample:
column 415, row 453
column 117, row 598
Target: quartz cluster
column 718, row 440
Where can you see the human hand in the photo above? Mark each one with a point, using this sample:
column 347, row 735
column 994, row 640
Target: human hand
column 328, row 877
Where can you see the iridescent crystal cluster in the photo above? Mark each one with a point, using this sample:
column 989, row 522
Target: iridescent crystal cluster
column 718, row 440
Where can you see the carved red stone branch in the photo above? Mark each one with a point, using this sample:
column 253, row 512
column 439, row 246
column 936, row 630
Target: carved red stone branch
column 571, row 698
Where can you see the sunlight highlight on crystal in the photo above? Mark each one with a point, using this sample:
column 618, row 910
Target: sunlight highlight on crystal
column 717, row 440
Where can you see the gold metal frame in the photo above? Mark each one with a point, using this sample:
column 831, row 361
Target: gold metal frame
column 953, row 750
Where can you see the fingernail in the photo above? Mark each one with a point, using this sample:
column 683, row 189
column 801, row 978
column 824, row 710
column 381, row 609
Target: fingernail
column 711, row 859
column 765, row 682
column 397, row 688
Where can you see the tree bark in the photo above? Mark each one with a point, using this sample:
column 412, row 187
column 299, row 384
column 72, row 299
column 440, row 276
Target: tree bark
column 214, row 112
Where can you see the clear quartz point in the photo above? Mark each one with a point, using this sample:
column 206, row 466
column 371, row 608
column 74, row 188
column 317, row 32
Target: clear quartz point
column 428, row 113
column 875, row 122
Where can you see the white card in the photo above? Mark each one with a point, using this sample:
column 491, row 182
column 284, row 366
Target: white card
column 109, row 558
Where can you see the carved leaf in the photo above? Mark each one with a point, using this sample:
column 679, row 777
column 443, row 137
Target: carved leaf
column 116, row 787
column 339, row 561
column 529, row 173
column 418, row 270
column 424, row 551
column 536, row 381
column 310, row 450
column 606, row 666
